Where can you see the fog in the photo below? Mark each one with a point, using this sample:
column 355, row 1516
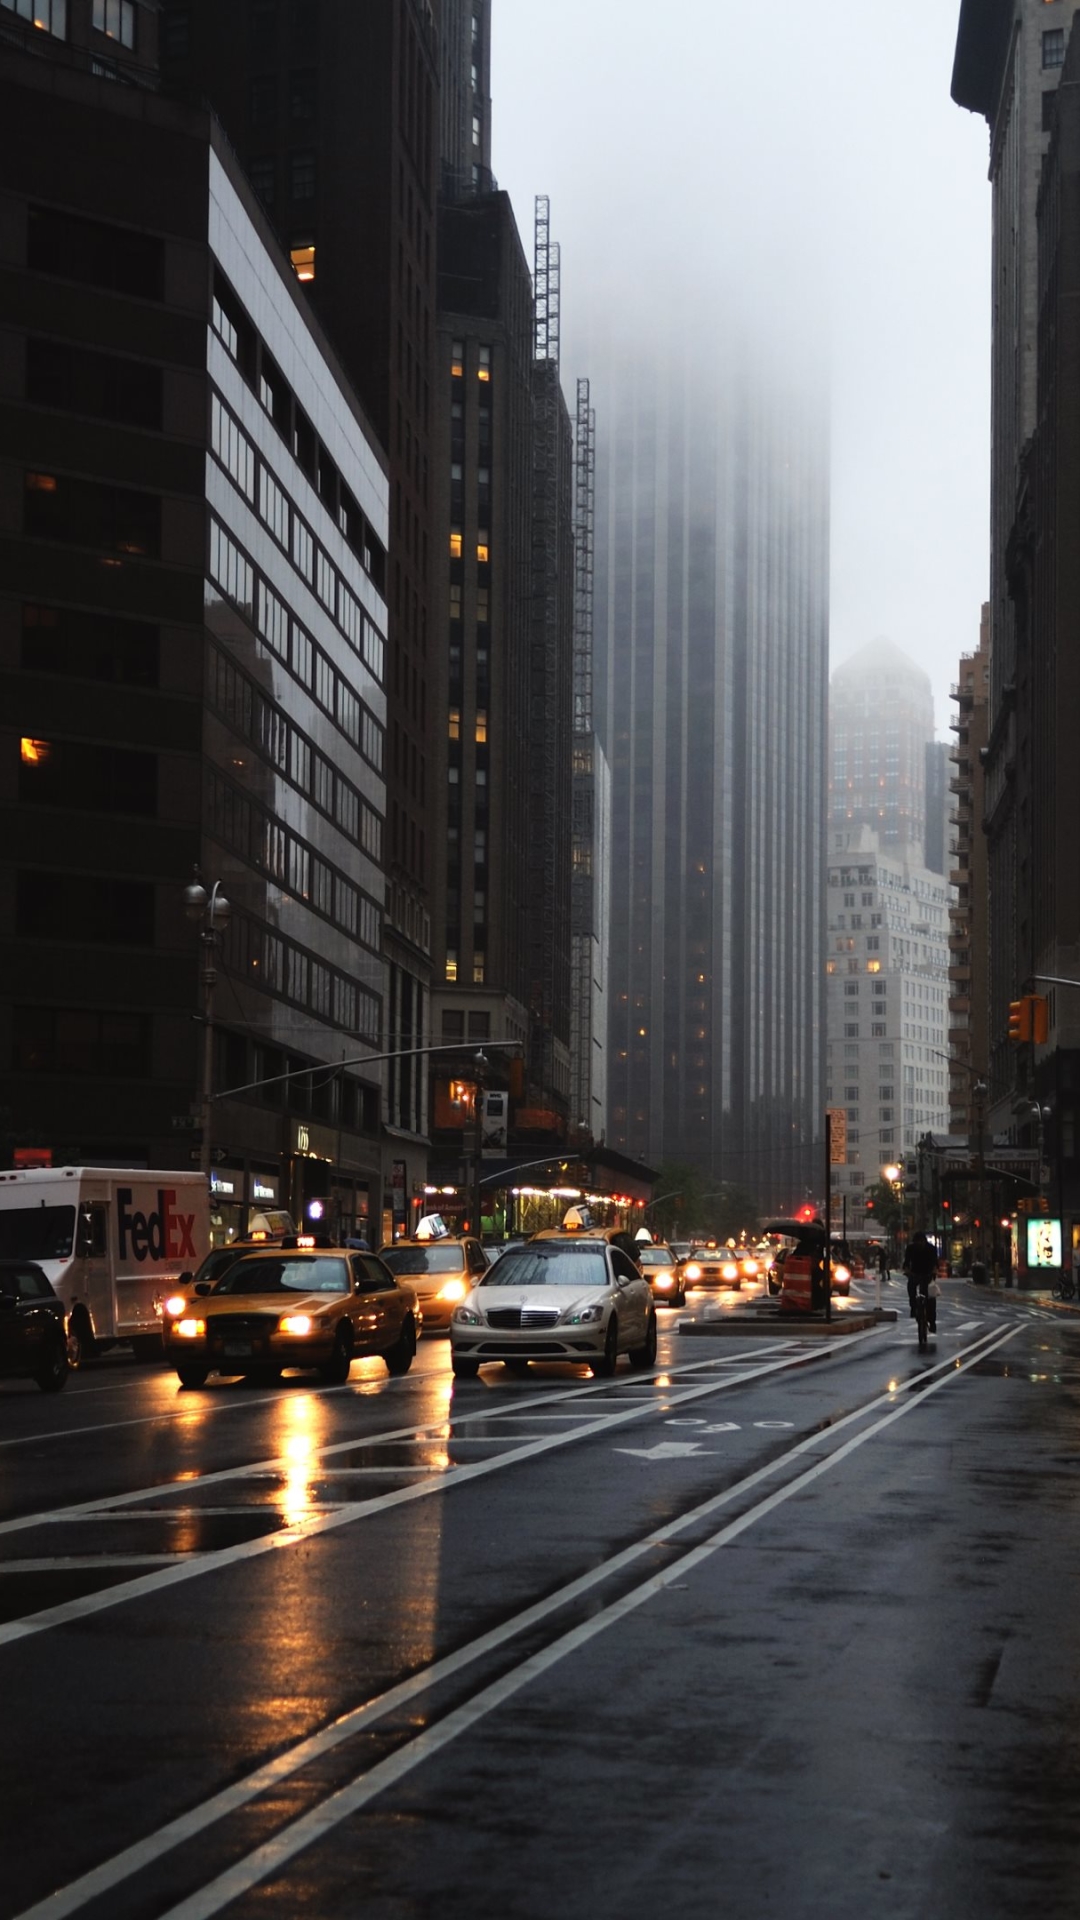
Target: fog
column 806, row 171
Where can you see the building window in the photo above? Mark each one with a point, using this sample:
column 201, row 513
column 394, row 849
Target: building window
column 478, row 970
column 451, row 964
column 1053, row 47
column 262, row 100
column 457, row 359
column 1049, row 96
column 302, row 175
column 49, row 15
column 303, row 261
column 261, row 174
column 302, row 95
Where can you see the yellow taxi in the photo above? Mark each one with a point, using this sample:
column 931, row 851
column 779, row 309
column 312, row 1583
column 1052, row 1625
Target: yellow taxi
column 303, row 1303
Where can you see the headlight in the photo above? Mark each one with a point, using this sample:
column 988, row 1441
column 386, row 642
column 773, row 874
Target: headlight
column 693, row 1271
column 749, row 1267
column 190, row 1329
column 664, row 1279
column 175, row 1305
column 453, row 1290
column 466, row 1317
column 841, row 1273
column 729, row 1271
column 582, row 1316
column 296, row 1323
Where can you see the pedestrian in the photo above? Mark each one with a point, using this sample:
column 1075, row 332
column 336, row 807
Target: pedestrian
column 883, row 1264
column 920, row 1265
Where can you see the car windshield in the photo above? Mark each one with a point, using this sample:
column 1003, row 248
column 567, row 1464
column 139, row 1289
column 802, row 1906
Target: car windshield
column 37, row 1233
column 655, row 1256
column 286, row 1275
column 549, row 1266
column 424, row 1259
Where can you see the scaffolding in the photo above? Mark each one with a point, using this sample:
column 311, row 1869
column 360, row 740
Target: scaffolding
column 550, row 687
column 583, row 917
column 546, row 283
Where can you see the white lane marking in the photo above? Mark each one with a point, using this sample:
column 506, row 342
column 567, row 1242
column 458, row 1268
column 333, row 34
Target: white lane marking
column 280, row 1466
column 302, row 1530
column 320, row 1820
column 143, row 1853
column 969, row 1326
column 666, row 1450
column 75, row 1562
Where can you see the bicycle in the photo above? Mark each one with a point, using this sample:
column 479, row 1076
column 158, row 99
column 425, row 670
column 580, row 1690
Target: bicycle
column 1064, row 1287
column 922, row 1318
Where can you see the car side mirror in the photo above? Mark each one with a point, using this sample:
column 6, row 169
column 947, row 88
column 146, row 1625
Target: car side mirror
column 203, row 1286
column 185, row 1279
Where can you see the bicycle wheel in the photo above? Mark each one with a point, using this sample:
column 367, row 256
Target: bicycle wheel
column 921, row 1317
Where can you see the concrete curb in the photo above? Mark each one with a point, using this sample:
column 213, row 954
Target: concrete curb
column 765, row 1323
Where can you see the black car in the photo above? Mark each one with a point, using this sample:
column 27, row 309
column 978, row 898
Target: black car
column 33, row 1327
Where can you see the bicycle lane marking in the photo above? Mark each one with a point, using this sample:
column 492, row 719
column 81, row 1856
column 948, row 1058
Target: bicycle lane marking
column 367, row 1786
column 187, row 1826
column 346, row 1515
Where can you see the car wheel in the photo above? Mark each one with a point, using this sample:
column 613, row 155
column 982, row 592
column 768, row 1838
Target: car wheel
column 646, row 1356
column 464, row 1369
column 604, row 1364
column 190, row 1375
column 52, row 1376
column 80, row 1340
column 399, row 1357
column 336, row 1371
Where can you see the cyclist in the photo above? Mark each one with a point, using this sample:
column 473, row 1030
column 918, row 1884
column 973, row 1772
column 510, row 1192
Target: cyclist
column 920, row 1265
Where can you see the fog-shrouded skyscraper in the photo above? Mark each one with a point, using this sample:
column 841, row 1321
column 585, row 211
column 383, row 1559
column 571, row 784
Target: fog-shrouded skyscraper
column 881, row 718
column 710, row 691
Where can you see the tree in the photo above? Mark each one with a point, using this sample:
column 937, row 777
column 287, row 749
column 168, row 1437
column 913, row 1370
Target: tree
column 884, row 1212
column 673, row 1213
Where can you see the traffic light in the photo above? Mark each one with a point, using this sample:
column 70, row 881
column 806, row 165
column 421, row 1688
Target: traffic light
column 1020, row 1020
column 1040, row 1018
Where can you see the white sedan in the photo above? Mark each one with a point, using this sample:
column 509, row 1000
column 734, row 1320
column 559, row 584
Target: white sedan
column 557, row 1298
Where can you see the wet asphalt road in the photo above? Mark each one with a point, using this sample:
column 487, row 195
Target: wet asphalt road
column 785, row 1628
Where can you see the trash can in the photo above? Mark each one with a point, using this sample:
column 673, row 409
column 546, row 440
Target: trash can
column 978, row 1272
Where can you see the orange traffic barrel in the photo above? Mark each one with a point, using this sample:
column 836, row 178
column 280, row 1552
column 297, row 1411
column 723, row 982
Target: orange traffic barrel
column 796, row 1293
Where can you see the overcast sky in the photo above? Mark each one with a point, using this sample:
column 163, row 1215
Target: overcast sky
column 809, row 160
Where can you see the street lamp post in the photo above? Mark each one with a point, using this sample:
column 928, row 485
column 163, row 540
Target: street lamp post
column 481, row 1065
column 210, row 912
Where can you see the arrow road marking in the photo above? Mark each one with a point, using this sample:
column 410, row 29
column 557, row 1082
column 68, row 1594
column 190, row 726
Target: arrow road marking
column 665, row 1450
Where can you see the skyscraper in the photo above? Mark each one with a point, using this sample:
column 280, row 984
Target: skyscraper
column 881, row 719
column 334, row 112
column 710, row 696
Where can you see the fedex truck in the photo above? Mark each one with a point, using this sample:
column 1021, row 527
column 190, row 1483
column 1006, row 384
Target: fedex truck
column 113, row 1243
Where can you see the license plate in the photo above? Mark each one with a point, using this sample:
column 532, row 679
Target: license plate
column 235, row 1348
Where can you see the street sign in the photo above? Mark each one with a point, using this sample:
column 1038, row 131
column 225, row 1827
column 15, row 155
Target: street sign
column 836, row 1118
column 185, row 1122
column 218, row 1155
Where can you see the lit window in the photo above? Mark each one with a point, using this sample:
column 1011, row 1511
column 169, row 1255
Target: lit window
column 451, row 966
column 49, row 15
column 483, row 370
column 457, row 359
column 482, row 552
column 481, row 729
column 303, row 260
column 41, row 483
column 478, row 970
column 455, row 723
column 873, row 966
column 455, row 546
column 114, row 18
column 34, row 751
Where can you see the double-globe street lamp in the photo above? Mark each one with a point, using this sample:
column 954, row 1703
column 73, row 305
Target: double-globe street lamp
column 210, row 913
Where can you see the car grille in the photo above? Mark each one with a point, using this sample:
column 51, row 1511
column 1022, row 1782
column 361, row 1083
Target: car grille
column 241, row 1326
column 507, row 1350
column 524, row 1317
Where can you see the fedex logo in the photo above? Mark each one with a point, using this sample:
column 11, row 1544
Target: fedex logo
column 163, row 1234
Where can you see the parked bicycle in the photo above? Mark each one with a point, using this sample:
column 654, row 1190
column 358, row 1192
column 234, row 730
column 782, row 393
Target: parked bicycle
column 1064, row 1287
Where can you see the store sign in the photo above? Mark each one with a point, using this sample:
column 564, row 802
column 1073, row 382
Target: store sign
column 836, row 1120
column 223, row 1184
column 1044, row 1243
column 263, row 1189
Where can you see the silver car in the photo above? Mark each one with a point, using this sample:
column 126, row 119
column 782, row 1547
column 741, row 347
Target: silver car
column 561, row 1297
